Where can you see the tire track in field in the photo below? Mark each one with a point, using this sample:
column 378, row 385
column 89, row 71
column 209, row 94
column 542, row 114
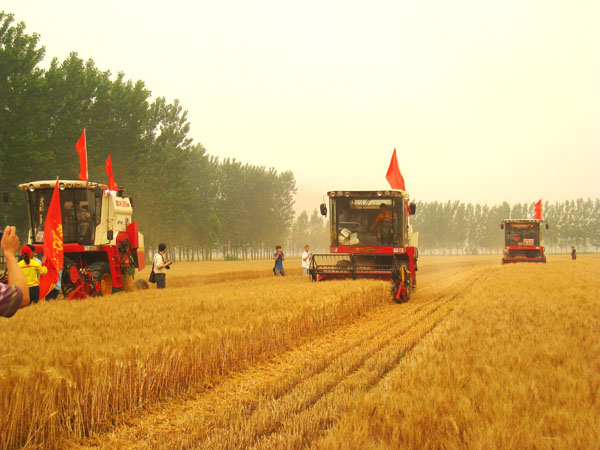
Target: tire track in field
column 291, row 401
column 301, row 427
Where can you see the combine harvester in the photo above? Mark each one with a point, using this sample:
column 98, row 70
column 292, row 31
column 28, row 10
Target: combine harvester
column 523, row 240
column 371, row 237
column 102, row 246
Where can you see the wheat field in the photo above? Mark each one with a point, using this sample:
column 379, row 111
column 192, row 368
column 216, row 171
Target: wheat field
column 228, row 356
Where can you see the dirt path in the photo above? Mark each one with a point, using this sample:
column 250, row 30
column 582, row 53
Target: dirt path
column 292, row 400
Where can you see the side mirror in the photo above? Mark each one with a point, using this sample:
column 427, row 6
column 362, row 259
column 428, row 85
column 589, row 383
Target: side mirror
column 131, row 201
column 502, row 226
column 413, row 208
column 110, row 235
column 323, row 209
column 547, row 226
column 5, row 196
column 97, row 192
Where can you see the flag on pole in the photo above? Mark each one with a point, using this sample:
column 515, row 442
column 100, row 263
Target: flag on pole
column 538, row 210
column 393, row 175
column 112, row 186
column 53, row 244
column 81, row 148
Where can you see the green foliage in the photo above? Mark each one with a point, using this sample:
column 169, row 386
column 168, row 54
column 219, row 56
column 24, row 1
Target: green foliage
column 183, row 197
column 449, row 228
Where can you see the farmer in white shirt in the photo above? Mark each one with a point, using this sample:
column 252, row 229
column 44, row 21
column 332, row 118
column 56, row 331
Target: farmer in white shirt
column 160, row 266
column 306, row 256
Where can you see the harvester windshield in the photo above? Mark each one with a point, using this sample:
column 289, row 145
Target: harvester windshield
column 522, row 233
column 78, row 210
column 368, row 221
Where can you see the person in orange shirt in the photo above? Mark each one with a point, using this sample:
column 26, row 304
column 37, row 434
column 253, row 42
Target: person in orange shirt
column 31, row 268
column 383, row 221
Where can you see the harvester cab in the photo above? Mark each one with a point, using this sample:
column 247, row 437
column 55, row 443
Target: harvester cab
column 523, row 241
column 371, row 237
column 102, row 245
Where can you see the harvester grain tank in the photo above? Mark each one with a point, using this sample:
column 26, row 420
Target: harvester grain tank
column 102, row 245
column 523, row 241
column 371, row 237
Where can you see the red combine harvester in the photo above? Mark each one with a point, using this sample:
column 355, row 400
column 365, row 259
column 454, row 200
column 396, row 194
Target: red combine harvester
column 371, row 237
column 523, row 241
column 102, row 246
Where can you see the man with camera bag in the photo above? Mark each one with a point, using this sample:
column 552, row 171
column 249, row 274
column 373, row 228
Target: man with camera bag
column 160, row 266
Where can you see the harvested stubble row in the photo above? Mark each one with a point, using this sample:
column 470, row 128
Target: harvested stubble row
column 516, row 366
column 69, row 367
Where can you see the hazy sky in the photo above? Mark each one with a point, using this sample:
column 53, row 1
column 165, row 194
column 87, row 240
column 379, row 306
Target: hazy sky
column 485, row 101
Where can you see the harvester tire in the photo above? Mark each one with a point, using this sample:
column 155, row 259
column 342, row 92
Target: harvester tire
column 101, row 278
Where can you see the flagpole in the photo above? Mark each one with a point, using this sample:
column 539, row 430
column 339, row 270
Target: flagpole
column 87, row 175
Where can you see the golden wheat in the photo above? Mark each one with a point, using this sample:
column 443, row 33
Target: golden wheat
column 69, row 367
column 483, row 356
column 516, row 366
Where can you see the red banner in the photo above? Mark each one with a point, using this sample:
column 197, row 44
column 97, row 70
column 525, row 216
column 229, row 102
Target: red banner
column 393, row 175
column 538, row 210
column 111, row 179
column 81, row 148
column 53, row 244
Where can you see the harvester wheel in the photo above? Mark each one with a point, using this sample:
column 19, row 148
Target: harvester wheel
column 101, row 278
column 401, row 284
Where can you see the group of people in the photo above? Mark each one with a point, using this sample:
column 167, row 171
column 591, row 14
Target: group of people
column 279, row 257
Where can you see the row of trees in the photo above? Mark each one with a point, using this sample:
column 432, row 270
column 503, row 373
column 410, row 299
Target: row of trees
column 183, row 196
column 455, row 227
column 459, row 228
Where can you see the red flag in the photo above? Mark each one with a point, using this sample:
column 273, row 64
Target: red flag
column 81, row 148
column 111, row 179
column 538, row 210
column 393, row 175
column 53, row 244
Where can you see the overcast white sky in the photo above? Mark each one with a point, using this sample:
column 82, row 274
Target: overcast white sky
column 485, row 101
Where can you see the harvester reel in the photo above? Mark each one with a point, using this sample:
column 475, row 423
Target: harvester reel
column 82, row 281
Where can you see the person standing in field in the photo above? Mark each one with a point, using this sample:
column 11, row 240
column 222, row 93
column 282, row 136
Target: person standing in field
column 160, row 266
column 279, row 257
column 32, row 270
column 15, row 294
column 306, row 256
column 573, row 253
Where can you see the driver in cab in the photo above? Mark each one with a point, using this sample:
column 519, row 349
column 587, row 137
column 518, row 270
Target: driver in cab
column 384, row 219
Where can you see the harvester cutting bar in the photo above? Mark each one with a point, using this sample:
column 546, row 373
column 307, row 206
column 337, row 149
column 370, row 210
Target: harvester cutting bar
column 348, row 266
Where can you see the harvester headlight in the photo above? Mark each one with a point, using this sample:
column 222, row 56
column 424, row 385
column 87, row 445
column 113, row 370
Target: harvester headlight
column 61, row 186
column 379, row 193
column 332, row 194
column 31, row 188
column 340, row 193
column 347, row 194
column 387, row 193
